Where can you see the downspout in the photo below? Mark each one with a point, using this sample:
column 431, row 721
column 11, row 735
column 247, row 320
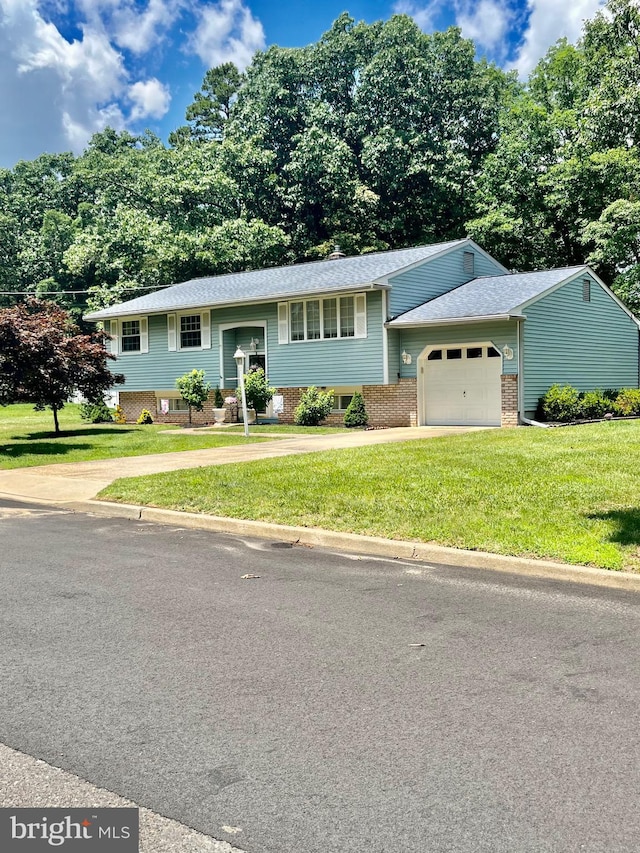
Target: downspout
column 521, row 417
column 385, row 339
column 221, row 357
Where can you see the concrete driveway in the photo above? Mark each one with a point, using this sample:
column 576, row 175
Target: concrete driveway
column 78, row 481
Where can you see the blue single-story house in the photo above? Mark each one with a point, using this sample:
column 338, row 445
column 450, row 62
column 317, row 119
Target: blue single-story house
column 439, row 334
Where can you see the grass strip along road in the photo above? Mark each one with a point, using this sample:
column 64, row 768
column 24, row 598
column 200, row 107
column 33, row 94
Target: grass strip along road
column 567, row 494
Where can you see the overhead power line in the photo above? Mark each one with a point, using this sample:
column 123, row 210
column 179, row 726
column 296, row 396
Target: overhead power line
column 73, row 292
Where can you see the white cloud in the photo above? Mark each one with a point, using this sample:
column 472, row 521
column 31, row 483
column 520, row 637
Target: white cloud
column 423, row 14
column 55, row 92
column 150, row 99
column 550, row 20
column 486, row 22
column 227, row 32
column 130, row 27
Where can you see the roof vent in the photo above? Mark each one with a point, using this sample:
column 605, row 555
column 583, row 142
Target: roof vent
column 337, row 253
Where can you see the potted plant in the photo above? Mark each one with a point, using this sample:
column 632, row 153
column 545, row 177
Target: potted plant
column 231, row 405
column 219, row 411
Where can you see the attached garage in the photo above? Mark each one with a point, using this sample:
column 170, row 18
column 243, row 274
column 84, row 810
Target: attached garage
column 461, row 385
column 483, row 353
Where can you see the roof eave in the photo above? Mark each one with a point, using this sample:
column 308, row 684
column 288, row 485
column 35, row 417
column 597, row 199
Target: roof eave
column 96, row 316
column 450, row 321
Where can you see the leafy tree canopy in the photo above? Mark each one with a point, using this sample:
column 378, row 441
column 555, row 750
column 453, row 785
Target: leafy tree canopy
column 377, row 136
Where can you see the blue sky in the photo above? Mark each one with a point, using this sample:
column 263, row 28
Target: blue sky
column 70, row 67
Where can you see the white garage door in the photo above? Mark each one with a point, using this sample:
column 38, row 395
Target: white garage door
column 462, row 386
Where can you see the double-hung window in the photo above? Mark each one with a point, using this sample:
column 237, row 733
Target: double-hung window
column 347, row 317
column 130, row 336
column 324, row 319
column 190, row 331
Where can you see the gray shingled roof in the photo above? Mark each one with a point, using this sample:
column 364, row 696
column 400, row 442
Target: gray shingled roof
column 490, row 296
column 277, row 283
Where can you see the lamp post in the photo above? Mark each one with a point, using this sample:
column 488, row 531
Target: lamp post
column 239, row 360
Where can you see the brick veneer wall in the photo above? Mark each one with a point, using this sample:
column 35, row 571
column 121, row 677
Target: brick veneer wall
column 392, row 405
column 386, row 405
column 133, row 402
column 509, row 389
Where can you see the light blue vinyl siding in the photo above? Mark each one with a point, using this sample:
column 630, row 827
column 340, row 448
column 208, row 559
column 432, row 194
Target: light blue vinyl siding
column 394, row 354
column 585, row 344
column 433, row 278
column 347, row 361
column 342, row 361
column 500, row 333
column 159, row 368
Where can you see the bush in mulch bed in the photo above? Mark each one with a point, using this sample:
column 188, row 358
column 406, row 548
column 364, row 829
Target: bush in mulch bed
column 564, row 405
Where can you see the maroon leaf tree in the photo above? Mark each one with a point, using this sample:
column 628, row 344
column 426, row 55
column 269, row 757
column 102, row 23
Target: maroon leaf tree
column 45, row 358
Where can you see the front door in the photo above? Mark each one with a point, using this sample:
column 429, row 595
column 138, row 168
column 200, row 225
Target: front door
column 255, row 359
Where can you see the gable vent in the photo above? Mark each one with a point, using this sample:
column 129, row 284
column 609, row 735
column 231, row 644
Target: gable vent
column 586, row 290
column 468, row 262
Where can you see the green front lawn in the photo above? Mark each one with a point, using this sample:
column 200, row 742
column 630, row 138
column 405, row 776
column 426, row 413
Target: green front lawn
column 27, row 438
column 569, row 494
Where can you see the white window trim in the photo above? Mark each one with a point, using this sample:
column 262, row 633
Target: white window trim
column 245, row 324
column 116, row 335
column 205, row 330
column 357, row 316
column 348, row 390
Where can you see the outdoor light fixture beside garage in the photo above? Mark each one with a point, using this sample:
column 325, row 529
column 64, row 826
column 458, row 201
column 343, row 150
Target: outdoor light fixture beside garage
column 239, row 360
column 406, row 357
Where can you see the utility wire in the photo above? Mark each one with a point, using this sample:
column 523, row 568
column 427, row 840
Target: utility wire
column 73, row 292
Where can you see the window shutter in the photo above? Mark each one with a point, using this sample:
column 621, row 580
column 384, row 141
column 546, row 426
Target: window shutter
column 144, row 334
column 172, row 344
column 114, row 337
column 283, row 323
column 360, row 303
column 205, row 330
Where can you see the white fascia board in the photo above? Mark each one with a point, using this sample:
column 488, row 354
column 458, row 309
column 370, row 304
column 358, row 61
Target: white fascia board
column 466, row 241
column 581, row 272
column 263, row 300
column 450, row 321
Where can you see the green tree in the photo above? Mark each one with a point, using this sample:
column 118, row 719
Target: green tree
column 257, row 389
column 193, row 390
column 616, row 236
column 211, row 106
column 45, row 359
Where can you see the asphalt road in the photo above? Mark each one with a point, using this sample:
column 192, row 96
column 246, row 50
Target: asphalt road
column 331, row 704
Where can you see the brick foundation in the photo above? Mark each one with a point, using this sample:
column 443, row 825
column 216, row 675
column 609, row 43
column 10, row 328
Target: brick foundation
column 133, row 402
column 509, row 389
column 386, row 405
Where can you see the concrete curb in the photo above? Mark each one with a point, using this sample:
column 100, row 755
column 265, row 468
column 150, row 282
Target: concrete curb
column 371, row 545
